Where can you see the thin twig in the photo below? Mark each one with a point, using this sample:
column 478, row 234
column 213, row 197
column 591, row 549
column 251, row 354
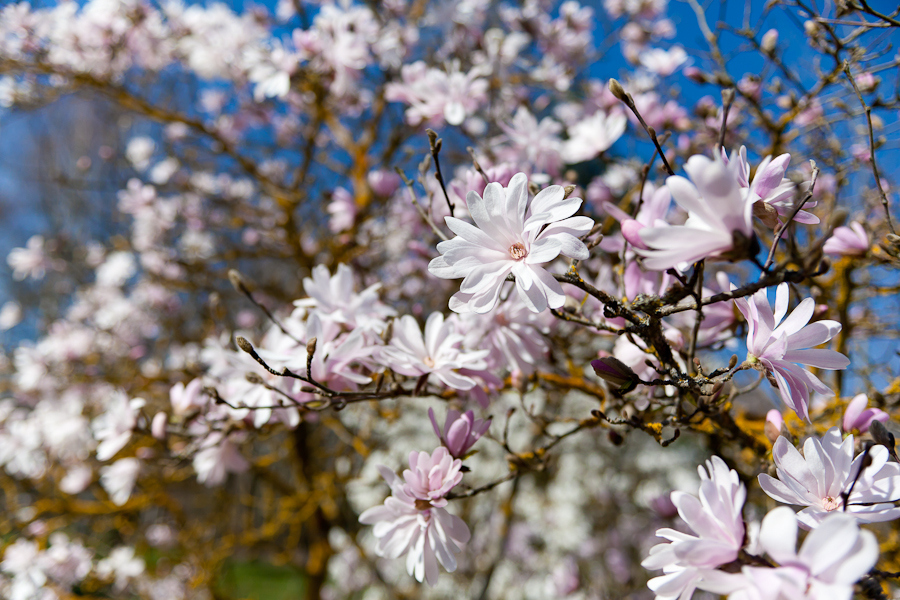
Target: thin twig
column 868, row 109
column 780, row 231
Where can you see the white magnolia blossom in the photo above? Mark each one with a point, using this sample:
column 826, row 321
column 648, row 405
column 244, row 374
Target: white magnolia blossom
column 438, row 352
column 592, row 135
column 511, row 236
column 825, row 471
column 118, row 479
column 719, row 223
column 831, row 559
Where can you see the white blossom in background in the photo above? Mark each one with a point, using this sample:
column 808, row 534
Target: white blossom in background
column 217, row 457
column 121, row 565
column 511, row 236
column 438, row 352
column 118, row 479
column 592, row 135
column 851, row 240
column 113, row 427
column 30, row 262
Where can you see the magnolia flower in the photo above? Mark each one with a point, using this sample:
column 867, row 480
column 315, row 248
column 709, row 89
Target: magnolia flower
column 218, row 457
column 860, row 418
column 333, row 296
column 774, row 346
column 592, row 135
column 460, row 431
column 719, row 223
column 716, row 520
column 825, row 471
column 113, row 427
column 437, row 352
column 511, row 236
column 847, row 241
column 832, row 558
column 119, row 478
column 413, row 520
column 769, row 187
column 121, row 564
column 663, row 62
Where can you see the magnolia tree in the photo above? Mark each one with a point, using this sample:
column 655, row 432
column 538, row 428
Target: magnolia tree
column 450, row 299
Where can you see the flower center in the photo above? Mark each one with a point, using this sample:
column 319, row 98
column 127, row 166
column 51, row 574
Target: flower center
column 429, row 362
column 422, row 504
column 831, row 504
column 518, row 251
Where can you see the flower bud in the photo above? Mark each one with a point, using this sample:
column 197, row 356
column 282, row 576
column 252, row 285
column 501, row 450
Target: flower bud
column 769, row 41
column 158, row 425
column 613, row 371
column 774, row 423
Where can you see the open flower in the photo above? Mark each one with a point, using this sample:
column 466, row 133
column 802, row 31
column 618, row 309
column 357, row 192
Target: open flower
column 825, row 471
column 832, row 558
column 719, row 223
column 716, row 520
column 511, row 236
column 772, row 193
column 436, row 353
column 413, row 520
column 774, row 346
column 847, row 241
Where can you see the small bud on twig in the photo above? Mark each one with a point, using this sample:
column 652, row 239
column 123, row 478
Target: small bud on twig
column 244, row 345
column 618, row 91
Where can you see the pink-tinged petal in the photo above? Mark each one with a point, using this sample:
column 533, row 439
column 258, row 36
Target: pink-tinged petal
column 516, row 202
column 854, row 410
column 454, row 380
column 782, row 299
column 824, row 547
column 778, row 534
column 631, row 232
column 813, row 334
column 769, row 174
column 819, row 358
column 674, row 245
column 615, row 212
column 795, row 391
column 576, row 226
column 777, row 490
column 687, row 196
column 798, row 318
column 723, row 202
column 793, row 469
column 858, row 560
column 806, row 218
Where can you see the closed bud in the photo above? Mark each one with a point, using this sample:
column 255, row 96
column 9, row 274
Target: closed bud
column 613, row 371
column 618, row 91
column 236, row 280
column 769, row 41
column 774, row 423
column 158, row 425
column 311, row 346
